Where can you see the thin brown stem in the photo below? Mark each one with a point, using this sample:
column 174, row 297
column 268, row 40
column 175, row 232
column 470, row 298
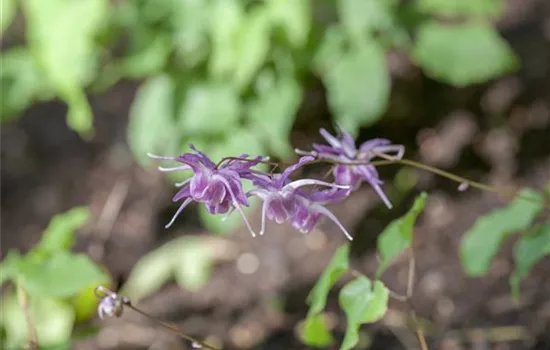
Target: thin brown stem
column 410, row 290
column 31, row 328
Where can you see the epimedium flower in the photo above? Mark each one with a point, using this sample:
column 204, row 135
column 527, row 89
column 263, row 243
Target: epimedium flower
column 217, row 186
column 285, row 200
column 346, row 155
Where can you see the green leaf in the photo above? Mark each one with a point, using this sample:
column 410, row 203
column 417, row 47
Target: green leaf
column 241, row 141
column 339, row 264
column 461, row 7
column 532, row 247
column 60, row 233
column 61, row 34
column 8, row 10
column 358, row 82
column 210, row 108
column 274, row 112
column 191, row 21
column 64, row 274
column 228, row 17
column 193, row 266
column 316, row 333
column 398, row 235
column 152, row 126
column 149, row 59
column 361, row 16
column 463, row 54
column 253, row 44
column 8, row 267
column 52, row 318
column 482, row 241
column 362, row 303
column 21, row 81
column 294, row 17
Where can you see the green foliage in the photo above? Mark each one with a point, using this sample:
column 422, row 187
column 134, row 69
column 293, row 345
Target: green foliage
column 362, row 303
column 462, row 54
column 186, row 259
column 47, row 275
column 461, row 7
column 532, row 246
column 8, row 10
column 316, row 333
column 482, row 241
column 398, row 235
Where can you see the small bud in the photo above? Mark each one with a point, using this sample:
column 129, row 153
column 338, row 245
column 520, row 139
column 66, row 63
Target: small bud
column 463, row 186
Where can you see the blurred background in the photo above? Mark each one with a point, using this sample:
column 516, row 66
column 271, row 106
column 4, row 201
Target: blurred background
column 89, row 87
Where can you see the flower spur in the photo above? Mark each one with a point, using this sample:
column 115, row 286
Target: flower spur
column 344, row 152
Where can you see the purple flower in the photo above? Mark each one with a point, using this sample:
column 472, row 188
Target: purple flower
column 344, row 152
column 217, row 186
column 284, row 200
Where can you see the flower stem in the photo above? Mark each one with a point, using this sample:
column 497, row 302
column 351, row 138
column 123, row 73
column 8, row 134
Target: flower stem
column 31, row 328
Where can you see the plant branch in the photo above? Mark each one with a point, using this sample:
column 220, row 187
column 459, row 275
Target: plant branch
column 31, row 328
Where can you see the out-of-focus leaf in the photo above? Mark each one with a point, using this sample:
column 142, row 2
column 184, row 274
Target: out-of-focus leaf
column 8, row 266
column 398, row 235
column 358, row 83
column 60, row 233
column 461, row 7
column 339, row 264
column 152, row 126
column 52, row 318
column 482, row 241
column 193, row 266
column 362, row 303
column 254, row 43
column 274, row 111
column 191, row 20
column 61, row 34
column 148, row 60
column 532, row 247
column 228, row 17
column 62, row 275
column 463, row 54
column 210, row 109
column 21, row 82
column 360, row 16
column 8, row 9
column 294, row 17
column 242, row 141
column 316, row 333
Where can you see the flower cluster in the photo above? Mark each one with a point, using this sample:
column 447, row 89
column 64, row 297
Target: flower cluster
column 219, row 186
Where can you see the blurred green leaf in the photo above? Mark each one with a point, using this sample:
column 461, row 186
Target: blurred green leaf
column 149, row 59
column 462, row 54
column 8, row 10
column 531, row 247
column 361, row 16
column 398, row 235
column 253, row 44
column 210, row 109
column 274, row 112
column 294, row 17
column 461, row 7
column 62, row 275
column 339, row 264
column 241, row 141
column 193, row 266
column 60, row 233
column 358, row 82
column 9, row 265
column 21, row 82
column 482, row 241
column 316, row 333
column 191, row 20
column 52, row 318
column 152, row 126
column 61, row 35
column 362, row 303
column 151, row 272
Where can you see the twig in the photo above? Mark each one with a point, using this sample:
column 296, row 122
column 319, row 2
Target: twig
column 410, row 289
column 31, row 328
